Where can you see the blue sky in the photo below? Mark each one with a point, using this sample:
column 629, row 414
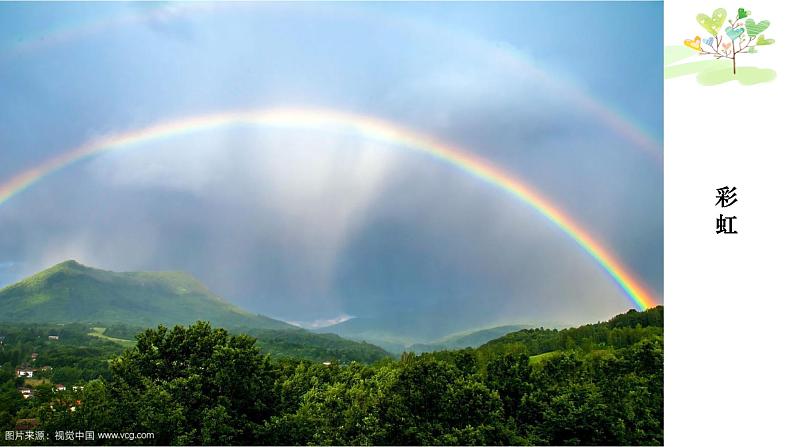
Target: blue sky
column 306, row 226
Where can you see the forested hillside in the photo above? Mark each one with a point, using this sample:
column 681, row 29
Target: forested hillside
column 471, row 339
column 70, row 292
column 621, row 331
column 597, row 384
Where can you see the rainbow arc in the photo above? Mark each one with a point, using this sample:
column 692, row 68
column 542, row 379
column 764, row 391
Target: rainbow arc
column 368, row 127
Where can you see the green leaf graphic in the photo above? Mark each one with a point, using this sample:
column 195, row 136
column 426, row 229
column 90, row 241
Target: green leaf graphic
column 714, row 23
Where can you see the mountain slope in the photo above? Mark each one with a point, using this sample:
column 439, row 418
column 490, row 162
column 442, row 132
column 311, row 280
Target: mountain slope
column 71, row 292
column 620, row 331
column 397, row 330
column 280, row 343
column 470, row 339
column 420, row 332
column 623, row 331
column 302, row 344
column 371, row 330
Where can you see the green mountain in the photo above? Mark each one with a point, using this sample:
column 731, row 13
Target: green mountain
column 302, row 344
column 620, row 331
column 71, row 292
column 419, row 332
column 115, row 307
column 396, row 331
column 371, row 330
column 602, row 339
column 470, row 339
column 295, row 343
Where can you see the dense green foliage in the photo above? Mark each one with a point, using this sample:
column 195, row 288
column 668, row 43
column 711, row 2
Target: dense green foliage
column 70, row 292
column 621, row 331
column 74, row 357
column 199, row 385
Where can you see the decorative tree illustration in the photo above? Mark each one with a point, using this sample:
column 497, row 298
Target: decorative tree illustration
column 742, row 36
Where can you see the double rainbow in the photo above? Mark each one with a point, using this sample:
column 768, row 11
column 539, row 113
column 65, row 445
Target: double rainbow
column 368, row 127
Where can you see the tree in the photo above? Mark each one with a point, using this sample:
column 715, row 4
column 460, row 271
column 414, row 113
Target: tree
column 199, row 385
column 743, row 35
column 189, row 385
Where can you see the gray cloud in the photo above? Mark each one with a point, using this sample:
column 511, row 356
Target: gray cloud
column 314, row 226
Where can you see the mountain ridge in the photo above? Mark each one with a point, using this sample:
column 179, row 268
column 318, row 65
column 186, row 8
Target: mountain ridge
column 398, row 332
column 72, row 292
column 468, row 339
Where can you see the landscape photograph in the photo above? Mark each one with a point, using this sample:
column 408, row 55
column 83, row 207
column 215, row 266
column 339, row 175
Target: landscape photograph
column 322, row 223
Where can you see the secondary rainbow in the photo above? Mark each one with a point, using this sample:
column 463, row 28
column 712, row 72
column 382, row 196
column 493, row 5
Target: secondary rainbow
column 366, row 126
column 609, row 115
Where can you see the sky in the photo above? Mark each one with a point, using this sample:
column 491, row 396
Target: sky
column 316, row 226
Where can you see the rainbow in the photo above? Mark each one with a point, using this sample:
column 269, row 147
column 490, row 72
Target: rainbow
column 60, row 33
column 369, row 127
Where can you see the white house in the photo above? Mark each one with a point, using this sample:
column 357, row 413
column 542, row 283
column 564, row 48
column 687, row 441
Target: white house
column 27, row 393
column 25, row 372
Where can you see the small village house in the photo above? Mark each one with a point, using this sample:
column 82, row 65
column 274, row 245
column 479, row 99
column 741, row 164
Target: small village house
column 60, row 387
column 53, row 337
column 26, row 392
column 25, row 371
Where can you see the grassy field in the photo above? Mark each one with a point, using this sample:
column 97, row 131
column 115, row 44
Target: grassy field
column 99, row 332
column 540, row 357
column 35, row 382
